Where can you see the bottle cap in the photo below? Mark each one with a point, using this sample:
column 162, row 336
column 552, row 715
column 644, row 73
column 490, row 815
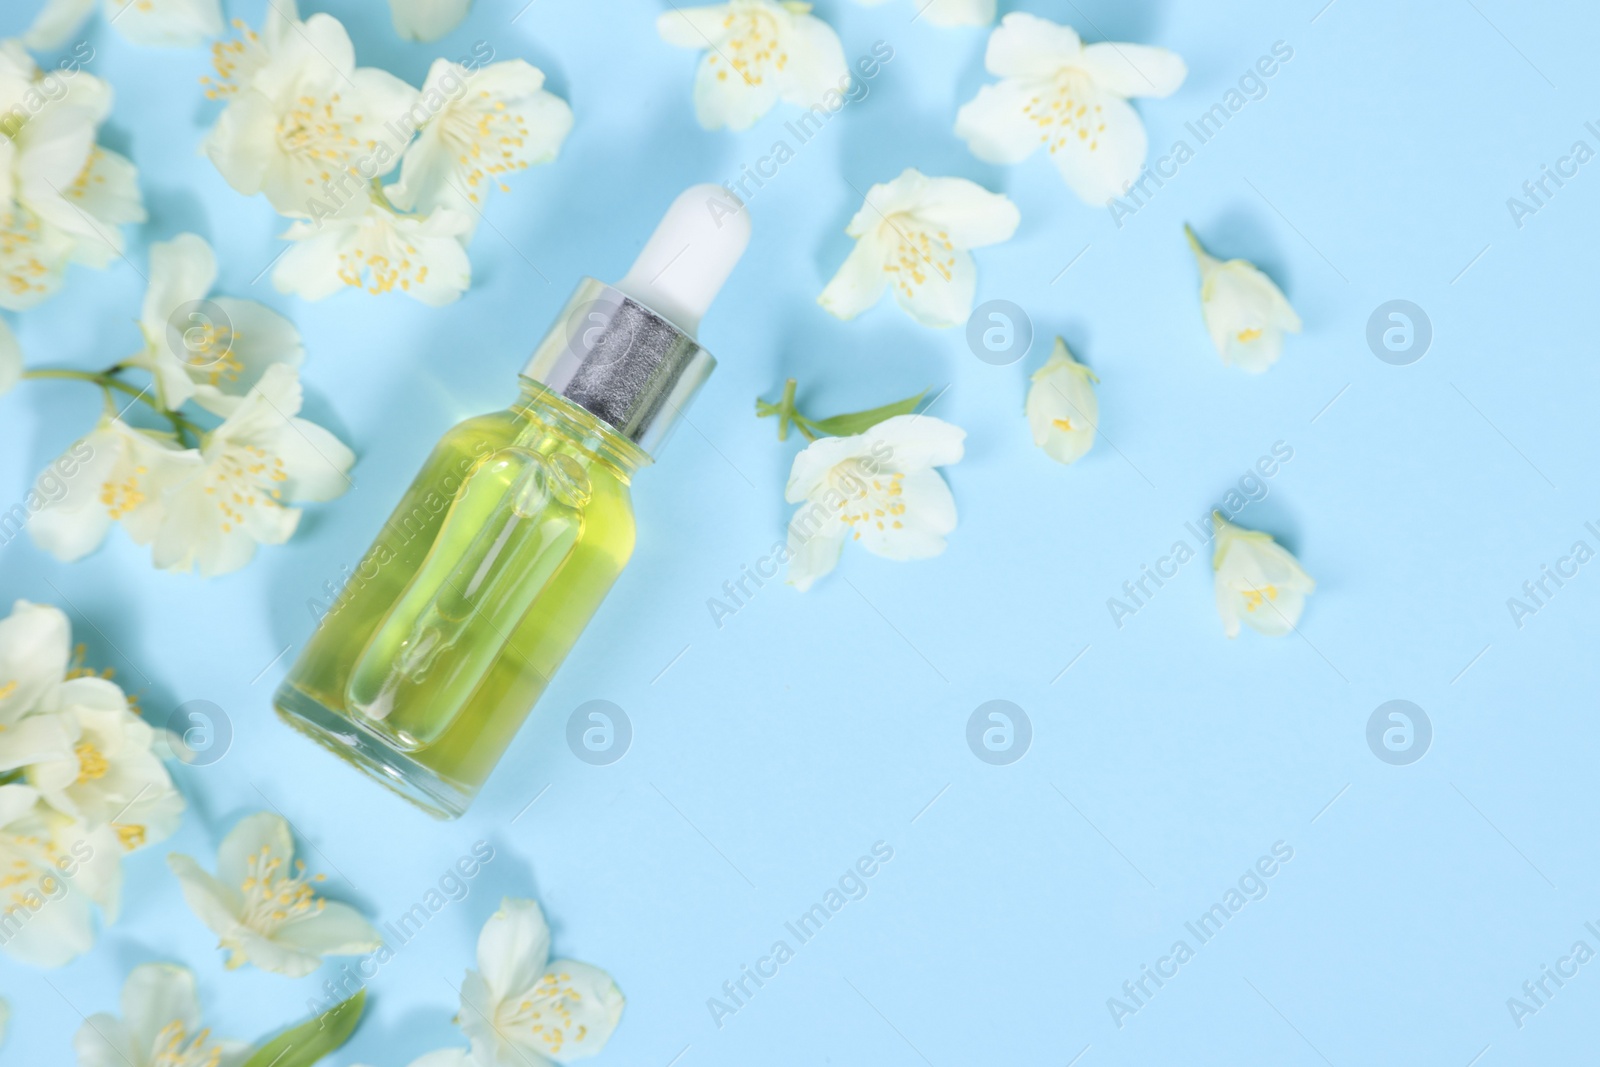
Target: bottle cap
column 627, row 353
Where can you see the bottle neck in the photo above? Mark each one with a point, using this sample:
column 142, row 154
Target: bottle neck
column 540, row 406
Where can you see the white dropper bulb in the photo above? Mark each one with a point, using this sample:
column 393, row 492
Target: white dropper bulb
column 686, row 261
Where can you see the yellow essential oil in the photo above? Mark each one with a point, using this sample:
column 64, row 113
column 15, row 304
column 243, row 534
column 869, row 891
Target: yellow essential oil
column 494, row 561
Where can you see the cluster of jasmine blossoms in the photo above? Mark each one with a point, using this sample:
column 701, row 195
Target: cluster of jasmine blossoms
column 201, row 496
column 63, row 197
column 81, row 785
column 317, row 135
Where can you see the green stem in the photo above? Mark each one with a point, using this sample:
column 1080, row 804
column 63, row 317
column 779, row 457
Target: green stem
column 784, row 409
column 182, row 427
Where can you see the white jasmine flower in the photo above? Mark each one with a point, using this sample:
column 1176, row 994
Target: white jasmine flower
column 427, row 20
column 35, row 656
column 214, row 351
column 261, row 904
column 1072, row 98
column 56, row 871
column 111, row 776
column 34, row 256
column 484, row 124
column 56, row 22
column 915, row 232
column 114, row 474
column 879, row 488
column 1258, row 582
column 10, row 359
column 259, row 458
column 156, row 23
column 160, row 1026
column 951, row 12
column 522, row 1009
column 757, row 53
column 238, row 61
column 309, row 121
column 380, row 251
column 1245, row 313
column 74, row 736
column 62, row 197
column 1062, row 409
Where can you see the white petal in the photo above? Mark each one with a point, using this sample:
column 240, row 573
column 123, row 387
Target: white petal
column 513, row 948
column 911, row 442
column 166, row 23
column 37, row 740
column 725, row 98
column 335, row 930
column 1026, row 46
column 315, row 462
column 1133, row 69
column 10, row 359
column 259, row 338
column 1062, row 409
column 918, row 532
column 427, row 20
column 860, row 282
column 590, row 1008
column 35, row 650
column 56, row 23
column 996, row 125
column 1099, row 163
column 182, row 270
column 970, row 215
column 815, row 541
column 215, row 904
column 694, row 27
column 156, row 995
column 105, row 197
column 104, row 1041
column 262, row 836
column 493, row 121
column 33, row 258
column 937, row 288
column 242, row 143
column 816, row 62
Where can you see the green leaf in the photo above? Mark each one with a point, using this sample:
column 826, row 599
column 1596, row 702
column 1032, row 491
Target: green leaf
column 861, row 421
column 313, row 1039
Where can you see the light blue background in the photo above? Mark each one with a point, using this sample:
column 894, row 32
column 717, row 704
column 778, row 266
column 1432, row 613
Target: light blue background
column 779, row 748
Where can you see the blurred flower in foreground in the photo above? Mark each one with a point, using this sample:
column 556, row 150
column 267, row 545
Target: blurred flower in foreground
column 10, row 359
column 757, row 53
column 1071, row 98
column 914, row 232
column 160, row 1026
column 156, row 23
column 63, row 198
column 1245, row 313
column 1257, row 581
column 80, row 785
column 261, row 904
